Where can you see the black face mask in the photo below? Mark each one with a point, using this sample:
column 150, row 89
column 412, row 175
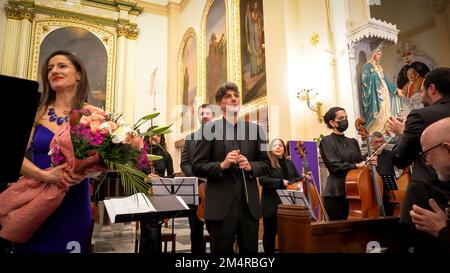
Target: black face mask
column 342, row 125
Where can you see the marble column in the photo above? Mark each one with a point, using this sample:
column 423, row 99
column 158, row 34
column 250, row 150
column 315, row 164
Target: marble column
column 12, row 34
column 27, row 16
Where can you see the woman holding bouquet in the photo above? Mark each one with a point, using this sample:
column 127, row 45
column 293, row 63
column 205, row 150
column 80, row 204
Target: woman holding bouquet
column 69, row 227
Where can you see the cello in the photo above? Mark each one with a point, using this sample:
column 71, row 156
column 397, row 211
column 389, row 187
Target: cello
column 307, row 185
column 397, row 197
column 363, row 186
column 201, row 206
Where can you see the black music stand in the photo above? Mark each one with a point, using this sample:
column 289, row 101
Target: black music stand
column 389, row 182
column 291, row 197
column 151, row 210
column 185, row 187
column 21, row 99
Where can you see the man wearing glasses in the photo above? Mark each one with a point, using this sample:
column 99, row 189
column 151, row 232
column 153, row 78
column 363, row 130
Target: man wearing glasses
column 435, row 142
column 424, row 184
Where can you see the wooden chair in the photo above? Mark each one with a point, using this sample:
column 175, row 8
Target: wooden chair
column 167, row 236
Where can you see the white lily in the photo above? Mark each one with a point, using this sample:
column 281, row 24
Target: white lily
column 121, row 134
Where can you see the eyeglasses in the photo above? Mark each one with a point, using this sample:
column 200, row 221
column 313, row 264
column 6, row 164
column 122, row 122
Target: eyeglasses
column 424, row 154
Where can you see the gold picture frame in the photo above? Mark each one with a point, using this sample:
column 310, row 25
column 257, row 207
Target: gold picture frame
column 43, row 27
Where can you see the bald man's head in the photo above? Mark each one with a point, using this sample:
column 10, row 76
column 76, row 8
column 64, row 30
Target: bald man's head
column 435, row 142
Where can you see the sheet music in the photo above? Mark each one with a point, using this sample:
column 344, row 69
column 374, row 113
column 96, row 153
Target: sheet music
column 182, row 202
column 137, row 203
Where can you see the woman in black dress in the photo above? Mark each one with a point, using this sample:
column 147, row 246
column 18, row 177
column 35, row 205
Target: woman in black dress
column 340, row 155
column 282, row 172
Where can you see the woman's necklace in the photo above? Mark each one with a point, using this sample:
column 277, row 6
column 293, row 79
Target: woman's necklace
column 53, row 117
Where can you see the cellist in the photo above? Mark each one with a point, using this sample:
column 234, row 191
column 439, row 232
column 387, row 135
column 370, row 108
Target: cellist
column 340, row 155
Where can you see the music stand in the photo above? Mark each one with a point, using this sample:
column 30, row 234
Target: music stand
column 150, row 210
column 290, row 197
column 21, row 101
column 185, row 187
column 389, row 182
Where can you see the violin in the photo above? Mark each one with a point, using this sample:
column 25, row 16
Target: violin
column 363, row 186
column 308, row 186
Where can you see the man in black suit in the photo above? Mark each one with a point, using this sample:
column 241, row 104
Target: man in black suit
column 435, row 142
column 231, row 155
column 206, row 114
column 424, row 184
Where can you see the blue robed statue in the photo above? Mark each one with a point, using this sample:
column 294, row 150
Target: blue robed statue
column 381, row 98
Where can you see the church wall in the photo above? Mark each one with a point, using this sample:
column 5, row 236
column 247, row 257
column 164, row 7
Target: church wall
column 311, row 66
column 415, row 20
column 2, row 27
column 151, row 53
column 190, row 16
column 343, row 94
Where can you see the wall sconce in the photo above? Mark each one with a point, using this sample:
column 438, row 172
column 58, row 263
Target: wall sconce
column 304, row 95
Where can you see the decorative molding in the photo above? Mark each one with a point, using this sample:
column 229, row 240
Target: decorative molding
column 183, row 4
column 16, row 12
column 163, row 9
column 373, row 28
column 79, row 8
column 128, row 30
column 43, row 27
column 234, row 72
column 154, row 8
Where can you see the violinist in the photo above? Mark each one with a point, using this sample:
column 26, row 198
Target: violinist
column 385, row 166
column 282, row 172
column 340, row 155
column 198, row 244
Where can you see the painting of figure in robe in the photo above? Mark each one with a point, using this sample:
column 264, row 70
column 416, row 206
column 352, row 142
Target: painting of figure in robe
column 216, row 49
column 189, row 84
column 252, row 50
column 410, row 80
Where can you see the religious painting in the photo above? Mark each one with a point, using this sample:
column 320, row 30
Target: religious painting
column 89, row 49
column 216, row 49
column 252, row 50
column 189, row 84
column 410, row 79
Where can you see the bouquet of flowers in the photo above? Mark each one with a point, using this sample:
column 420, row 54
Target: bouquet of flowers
column 92, row 142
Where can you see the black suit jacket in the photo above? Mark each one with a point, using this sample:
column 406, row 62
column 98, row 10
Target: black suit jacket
column 187, row 156
column 271, row 183
column 424, row 183
column 221, row 186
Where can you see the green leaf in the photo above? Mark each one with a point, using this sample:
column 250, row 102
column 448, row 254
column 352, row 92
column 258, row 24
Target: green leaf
column 151, row 157
column 145, row 119
column 132, row 179
column 159, row 129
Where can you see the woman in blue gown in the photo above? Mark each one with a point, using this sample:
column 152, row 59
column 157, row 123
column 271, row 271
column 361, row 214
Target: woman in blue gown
column 69, row 228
